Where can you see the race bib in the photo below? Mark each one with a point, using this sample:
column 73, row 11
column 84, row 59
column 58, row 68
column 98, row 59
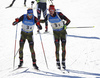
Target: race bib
column 57, row 25
column 27, row 28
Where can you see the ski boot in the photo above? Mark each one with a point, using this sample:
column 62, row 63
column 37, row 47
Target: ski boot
column 20, row 64
column 24, row 5
column 58, row 65
column 35, row 66
column 63, row 65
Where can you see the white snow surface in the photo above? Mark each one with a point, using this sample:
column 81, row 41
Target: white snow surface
column 82, row 47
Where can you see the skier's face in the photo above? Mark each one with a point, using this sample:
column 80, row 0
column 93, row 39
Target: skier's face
column 51, row 12
column 30, row 15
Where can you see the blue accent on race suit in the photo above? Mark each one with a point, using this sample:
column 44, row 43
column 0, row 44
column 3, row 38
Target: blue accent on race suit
column 55, row 19
column 28, row 22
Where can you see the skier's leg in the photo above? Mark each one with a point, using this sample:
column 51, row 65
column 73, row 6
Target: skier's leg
column 44, row 15
column 31, row 46
column 24, row 2
column 57, row 48
column 38, row 12
column 57, row 53
column 63, row 43
column 56, row 41
column 21, row 42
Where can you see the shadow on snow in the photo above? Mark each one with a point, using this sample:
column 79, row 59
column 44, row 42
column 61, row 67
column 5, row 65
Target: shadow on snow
column 83, row 72
column 45, row 73
column 83, row 37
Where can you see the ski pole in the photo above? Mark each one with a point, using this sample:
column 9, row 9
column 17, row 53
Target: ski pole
column 32, row 2
column 81, row 27
column 17, row 52
column 43, row 49
column 51, row 2
column 15, row 46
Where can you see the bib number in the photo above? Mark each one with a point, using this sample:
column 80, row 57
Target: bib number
column 27, row 28
column 57, row 25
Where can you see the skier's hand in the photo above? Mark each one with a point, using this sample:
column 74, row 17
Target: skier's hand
column 16, row 21
column 65, row 27
column 39, row 27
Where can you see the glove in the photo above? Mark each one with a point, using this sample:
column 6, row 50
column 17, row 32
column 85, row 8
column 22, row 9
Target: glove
column 16, row 21
column 39, row 27
column 64, row 27
column 38, row 1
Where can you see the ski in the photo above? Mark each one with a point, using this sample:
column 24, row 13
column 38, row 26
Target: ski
column 33, row 70
column 64, row 71
column 16, row 7
column 19, row 68
column 44, row 33
column 8, row 7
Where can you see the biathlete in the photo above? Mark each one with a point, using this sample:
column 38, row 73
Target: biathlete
column 42, row 6
column 59, row 32
column 28, row 22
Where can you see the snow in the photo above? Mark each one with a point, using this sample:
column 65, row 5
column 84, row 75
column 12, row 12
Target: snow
column 83, row 44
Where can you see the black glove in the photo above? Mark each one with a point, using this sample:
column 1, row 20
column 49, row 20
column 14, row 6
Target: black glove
column 40, row 27
column 16, row 21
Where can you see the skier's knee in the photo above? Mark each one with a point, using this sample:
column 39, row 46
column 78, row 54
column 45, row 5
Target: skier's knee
column 63, row 41
column 56, row 41
column 22, row 41
column 20, row 52
column 31, row 44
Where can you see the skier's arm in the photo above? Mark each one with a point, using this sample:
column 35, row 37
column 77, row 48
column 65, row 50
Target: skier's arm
column 37, row 23
column 43, row 21
column 17, row 20
column 65, row 18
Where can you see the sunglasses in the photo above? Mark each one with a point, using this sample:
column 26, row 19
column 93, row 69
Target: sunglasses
column 51, row 10
column 30, row 14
